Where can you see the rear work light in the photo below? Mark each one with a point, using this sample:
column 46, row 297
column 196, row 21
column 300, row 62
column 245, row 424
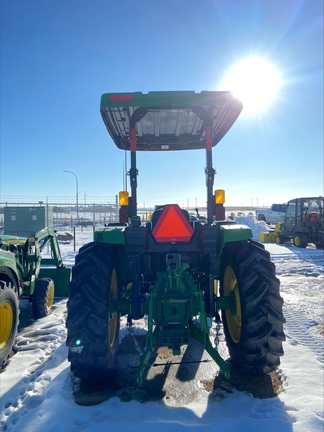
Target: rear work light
column 172, row 226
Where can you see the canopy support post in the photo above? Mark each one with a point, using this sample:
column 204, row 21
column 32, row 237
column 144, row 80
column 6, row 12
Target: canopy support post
column 210, row 173
column 138, row 114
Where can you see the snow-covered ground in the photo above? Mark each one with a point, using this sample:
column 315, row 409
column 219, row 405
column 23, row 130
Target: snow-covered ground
column 37, row 385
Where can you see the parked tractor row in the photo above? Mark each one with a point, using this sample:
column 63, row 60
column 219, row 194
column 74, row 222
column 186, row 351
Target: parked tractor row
column 25, row 274
column 303, row 223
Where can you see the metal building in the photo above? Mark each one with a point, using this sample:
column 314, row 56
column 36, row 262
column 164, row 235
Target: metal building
column 26, row 220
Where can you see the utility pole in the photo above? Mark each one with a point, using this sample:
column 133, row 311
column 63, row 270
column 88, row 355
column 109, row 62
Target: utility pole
column 76, row 179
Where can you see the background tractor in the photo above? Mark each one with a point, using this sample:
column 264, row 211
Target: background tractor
column 303, row 223
column 181, row 273
column 25, row 274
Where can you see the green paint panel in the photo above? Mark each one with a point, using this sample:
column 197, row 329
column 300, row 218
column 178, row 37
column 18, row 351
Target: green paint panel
column 110, row 236
column 231, row 233
column 61, row 277
column 116, row 236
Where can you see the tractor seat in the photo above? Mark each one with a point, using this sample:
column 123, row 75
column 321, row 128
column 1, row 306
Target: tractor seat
column 158, row 211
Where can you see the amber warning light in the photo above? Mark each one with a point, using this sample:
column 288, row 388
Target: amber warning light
column 123, row 198
column 220, row 196
column 172, row 226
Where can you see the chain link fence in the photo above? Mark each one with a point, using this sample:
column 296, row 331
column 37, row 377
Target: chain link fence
column 23, row 215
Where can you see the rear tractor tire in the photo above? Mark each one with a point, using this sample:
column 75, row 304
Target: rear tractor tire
column 255, row 334
column 43, row 297
column 92, row 329
column 300, row 240
column 9, row 320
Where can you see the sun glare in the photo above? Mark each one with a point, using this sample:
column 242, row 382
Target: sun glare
column 255, row 81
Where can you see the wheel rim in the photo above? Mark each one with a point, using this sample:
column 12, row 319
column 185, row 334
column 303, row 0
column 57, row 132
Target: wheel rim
column 50, row 297
column 234, row 322
column 277, row 240
column 6, row 321
column 297, row 241
column 113, row 320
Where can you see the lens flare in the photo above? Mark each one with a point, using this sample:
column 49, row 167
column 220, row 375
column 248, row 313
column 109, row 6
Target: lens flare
column 255, row 82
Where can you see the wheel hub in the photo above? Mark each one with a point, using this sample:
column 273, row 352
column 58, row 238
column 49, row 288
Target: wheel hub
column 6, row 320
column 234, row 322
column 50, row 297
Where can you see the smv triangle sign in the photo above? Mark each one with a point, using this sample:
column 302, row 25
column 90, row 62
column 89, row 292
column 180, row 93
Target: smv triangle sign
column 172, row 226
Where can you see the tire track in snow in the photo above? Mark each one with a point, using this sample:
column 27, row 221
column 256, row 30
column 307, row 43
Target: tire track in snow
column 297, row 330
column 301, row 274
column 41, row 343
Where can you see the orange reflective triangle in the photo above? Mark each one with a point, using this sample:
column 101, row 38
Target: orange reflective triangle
column 172, row 226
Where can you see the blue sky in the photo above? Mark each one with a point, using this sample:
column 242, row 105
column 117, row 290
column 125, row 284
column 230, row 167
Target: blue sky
column 58, row 58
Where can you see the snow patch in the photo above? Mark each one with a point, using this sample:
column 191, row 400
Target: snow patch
column 255, row 225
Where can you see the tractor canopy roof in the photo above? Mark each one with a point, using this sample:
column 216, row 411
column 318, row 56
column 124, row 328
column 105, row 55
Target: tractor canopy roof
column 168, row 120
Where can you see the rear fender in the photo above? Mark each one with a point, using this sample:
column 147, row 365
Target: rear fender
column 115, row 236
column 303, row 230
column 8, row 270
column 229, row 234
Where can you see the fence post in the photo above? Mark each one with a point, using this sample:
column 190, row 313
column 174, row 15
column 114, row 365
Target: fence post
column 94, row 214
column 18, row 232
column 74, row 237
column 117, row 218
column 47, row 215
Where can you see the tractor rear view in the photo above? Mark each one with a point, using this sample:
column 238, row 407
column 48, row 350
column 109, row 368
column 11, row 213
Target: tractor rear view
column 180, row 273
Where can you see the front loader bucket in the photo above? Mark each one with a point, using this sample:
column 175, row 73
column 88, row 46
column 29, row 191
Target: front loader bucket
column 61, row 277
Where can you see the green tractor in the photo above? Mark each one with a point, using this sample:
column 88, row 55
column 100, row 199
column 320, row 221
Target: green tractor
column 168, row 268
column 25, row 274
column 303, row 223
